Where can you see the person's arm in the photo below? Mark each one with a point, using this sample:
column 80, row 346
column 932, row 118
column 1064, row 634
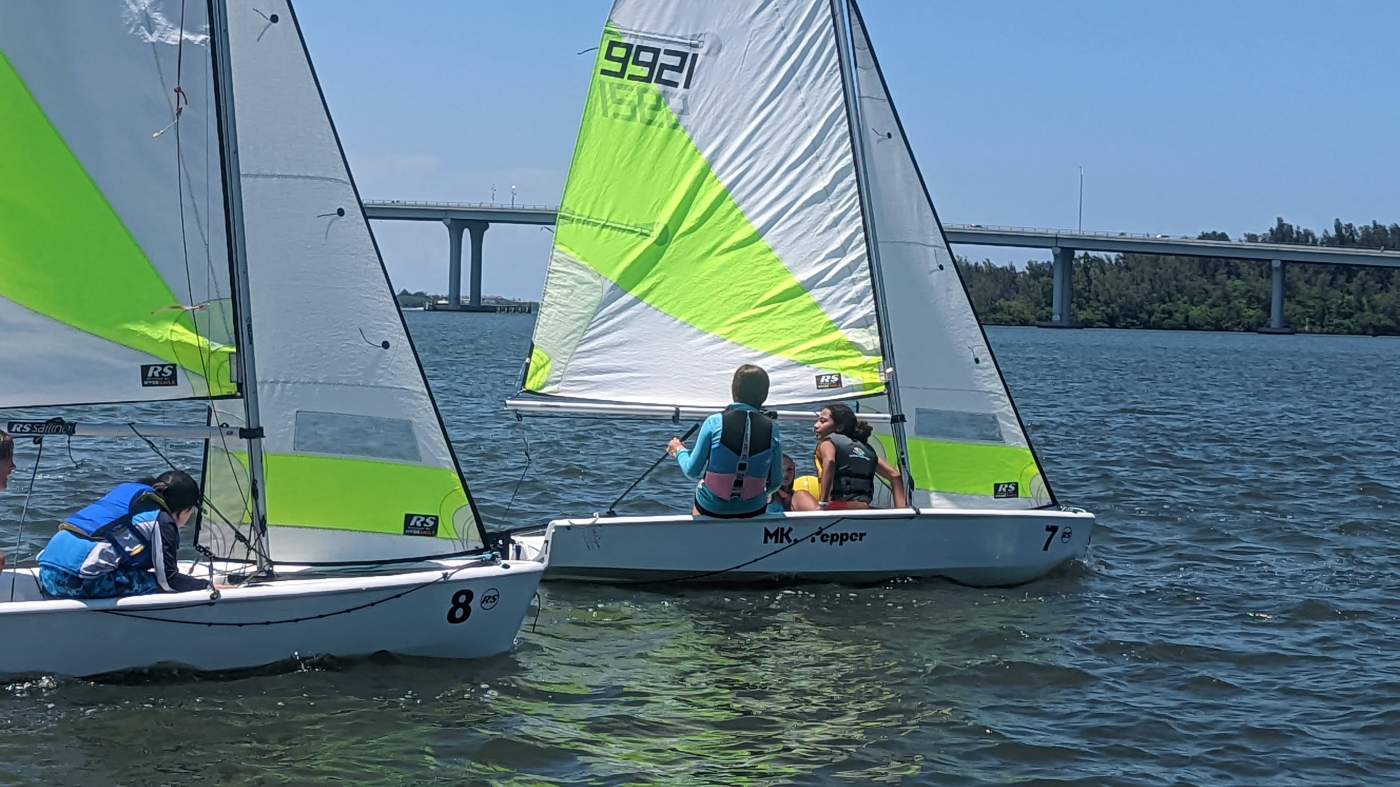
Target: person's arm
column 826, row 452
column 166, row 557
column 890, row 473
column 692, row 461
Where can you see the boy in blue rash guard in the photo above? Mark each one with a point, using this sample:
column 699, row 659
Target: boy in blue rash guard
column 124, row 544
column 737, row 456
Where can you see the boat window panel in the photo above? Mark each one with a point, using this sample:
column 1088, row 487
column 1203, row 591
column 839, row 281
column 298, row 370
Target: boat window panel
column 339, row 434
column 956, row 425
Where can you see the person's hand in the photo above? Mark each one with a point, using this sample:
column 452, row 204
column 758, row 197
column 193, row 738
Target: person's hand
column 675, row 446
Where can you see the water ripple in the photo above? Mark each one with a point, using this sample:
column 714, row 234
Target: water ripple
column 1234, row 622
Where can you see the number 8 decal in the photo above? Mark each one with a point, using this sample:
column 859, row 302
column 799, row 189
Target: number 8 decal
column 461, row 608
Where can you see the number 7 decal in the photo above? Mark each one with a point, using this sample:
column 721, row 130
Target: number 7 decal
column 1051, row 530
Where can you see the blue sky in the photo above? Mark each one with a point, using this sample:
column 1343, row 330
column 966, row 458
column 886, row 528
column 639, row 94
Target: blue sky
column 1186, row 115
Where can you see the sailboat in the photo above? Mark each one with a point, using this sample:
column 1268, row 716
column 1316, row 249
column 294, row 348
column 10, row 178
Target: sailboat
column 178, row 222
column 742, row 191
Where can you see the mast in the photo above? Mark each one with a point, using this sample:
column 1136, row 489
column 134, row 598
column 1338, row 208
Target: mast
column 846, row 59
column 238, row 257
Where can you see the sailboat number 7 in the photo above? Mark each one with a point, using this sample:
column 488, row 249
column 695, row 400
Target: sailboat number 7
column 1051, row 530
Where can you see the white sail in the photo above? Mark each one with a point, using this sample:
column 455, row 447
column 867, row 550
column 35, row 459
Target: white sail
column 357, row 462
column 711, row 216
column 966, row 443
column 114, row 278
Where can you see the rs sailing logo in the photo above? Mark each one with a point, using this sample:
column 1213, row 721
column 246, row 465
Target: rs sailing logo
column 158, row 375
column 420, row 525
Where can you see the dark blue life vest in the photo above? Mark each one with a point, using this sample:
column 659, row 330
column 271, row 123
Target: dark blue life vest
column 856, row 463
column 739, row 466
column 109, row 519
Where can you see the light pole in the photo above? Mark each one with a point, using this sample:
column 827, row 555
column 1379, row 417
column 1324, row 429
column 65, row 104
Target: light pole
column 1081, row 197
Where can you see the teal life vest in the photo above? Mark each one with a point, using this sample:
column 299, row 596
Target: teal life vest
column 739, row 465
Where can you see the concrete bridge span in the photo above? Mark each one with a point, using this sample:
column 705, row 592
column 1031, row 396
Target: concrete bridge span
column 476, row 217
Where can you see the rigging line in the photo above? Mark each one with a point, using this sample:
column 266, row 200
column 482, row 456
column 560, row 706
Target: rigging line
column 372, row 562
column 24, row 512
column 745, row 564
column 529, row 460
column 68, row 444
column 204, row 348
column 446, row 576
column 612, row 508
column 392, row 561
column 238, row 535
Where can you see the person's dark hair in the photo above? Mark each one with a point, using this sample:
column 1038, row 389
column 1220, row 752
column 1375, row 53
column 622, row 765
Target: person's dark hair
column 750, row 385
column 176, row 488
column 847, row 424
column 7, row 445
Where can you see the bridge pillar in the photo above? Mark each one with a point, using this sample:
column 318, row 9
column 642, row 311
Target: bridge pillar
column 1277, row 322
column 454, row 263
column 478, row 231
column 1062, row 279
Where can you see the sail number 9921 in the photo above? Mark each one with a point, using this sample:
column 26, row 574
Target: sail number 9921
column 643, row 63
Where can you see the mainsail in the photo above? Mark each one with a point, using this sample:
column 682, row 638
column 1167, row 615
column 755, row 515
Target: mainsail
column 357, row 462
column 966, row 444
column 114, row 279
column 711, row 216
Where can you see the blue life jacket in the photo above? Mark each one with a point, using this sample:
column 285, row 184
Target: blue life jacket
column 109, row 520
column 739, row 466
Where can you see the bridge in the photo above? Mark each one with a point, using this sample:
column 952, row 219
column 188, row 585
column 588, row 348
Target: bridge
column 476, row 217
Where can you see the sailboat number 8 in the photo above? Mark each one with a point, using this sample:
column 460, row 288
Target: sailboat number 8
column 461, row 608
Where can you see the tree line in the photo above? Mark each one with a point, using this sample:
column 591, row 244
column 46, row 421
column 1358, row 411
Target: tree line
column 1204, row 293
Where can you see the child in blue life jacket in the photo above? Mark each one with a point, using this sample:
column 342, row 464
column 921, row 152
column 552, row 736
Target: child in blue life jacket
column 125, row 544
column 737, row 455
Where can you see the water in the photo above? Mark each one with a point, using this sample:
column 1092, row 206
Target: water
column 1236, row 620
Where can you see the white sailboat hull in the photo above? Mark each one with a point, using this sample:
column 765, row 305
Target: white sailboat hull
column 463, row 612
column 973, row 547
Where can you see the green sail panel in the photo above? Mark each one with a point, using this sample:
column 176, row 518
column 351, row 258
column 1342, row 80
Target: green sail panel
column 353, row 495
column 970, row 470
column 65, row 253
column 648, row 227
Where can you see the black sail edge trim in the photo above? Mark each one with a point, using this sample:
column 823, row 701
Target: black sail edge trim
column 388, row 284
column 875, row 60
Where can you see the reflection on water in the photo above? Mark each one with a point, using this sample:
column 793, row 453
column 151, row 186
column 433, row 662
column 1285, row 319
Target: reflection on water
column 1234, row 623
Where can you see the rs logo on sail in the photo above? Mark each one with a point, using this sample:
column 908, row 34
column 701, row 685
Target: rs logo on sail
column 158, row 375
column 420, row 524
